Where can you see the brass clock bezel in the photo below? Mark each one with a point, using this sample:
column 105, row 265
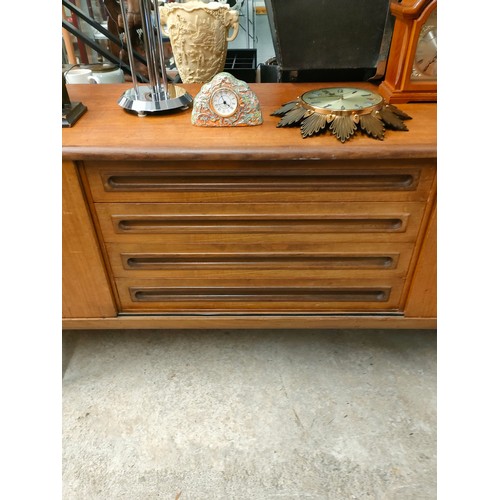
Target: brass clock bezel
column 224, row 88
column 337, row 112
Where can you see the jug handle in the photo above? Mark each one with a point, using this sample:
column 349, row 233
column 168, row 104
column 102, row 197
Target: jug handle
column 236, row 27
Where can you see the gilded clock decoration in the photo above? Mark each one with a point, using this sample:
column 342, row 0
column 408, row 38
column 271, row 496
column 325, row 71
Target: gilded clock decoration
column 343, row 110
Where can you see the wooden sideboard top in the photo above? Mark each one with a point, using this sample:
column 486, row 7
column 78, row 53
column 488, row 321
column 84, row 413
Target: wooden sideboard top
column 108, row 132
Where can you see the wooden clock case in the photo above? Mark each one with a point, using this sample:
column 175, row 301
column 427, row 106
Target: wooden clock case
column 398, row 87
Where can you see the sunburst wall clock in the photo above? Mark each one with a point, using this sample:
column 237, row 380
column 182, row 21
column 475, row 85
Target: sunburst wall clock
column 344, row 110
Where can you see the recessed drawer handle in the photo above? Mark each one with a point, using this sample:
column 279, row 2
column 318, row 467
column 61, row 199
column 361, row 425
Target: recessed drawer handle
column 168, row 262
column 225, row 182
column 298, row 225
column 260, row 295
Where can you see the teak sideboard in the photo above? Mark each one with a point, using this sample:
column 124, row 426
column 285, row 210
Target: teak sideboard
column 169, row 225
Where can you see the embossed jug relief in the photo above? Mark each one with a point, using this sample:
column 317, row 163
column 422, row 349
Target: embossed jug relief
column 199, row 33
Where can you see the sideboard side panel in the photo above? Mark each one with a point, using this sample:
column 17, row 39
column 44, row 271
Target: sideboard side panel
column 85, row 287
column 422, row 300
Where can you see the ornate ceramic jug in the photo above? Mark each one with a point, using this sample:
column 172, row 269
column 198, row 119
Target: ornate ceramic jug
column 199, row 33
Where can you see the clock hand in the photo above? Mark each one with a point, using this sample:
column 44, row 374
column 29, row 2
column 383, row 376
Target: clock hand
column 345, row 96
column 434, row 59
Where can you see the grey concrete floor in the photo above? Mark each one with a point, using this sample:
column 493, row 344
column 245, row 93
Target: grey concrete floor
column 202, row 415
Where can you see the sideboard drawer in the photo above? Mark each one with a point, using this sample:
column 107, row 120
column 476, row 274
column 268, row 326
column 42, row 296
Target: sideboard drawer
column 258, row 296
column 260, row 261
column 260, row 181
column 273, row 222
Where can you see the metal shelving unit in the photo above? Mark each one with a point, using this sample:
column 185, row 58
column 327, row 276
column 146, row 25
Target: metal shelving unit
column 247, row 20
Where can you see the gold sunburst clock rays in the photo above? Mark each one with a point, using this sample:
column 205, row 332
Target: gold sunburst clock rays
column 344, row 110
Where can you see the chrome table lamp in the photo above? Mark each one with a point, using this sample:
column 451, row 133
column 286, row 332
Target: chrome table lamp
column 160, row 95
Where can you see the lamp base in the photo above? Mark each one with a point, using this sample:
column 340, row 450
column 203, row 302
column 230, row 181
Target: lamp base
column 142, row 102
column 71, row 112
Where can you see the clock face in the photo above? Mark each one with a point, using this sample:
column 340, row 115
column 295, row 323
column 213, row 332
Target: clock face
column 224, row 102
column 425, row 63
column 341, row 100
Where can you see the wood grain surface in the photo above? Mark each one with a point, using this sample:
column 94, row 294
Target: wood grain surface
column 109, row 132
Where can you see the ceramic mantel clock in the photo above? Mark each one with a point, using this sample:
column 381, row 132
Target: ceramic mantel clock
column 411, row 73
column 342, row 110
column 226, row 101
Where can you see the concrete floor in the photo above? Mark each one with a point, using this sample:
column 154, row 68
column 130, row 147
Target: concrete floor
column 243, row 415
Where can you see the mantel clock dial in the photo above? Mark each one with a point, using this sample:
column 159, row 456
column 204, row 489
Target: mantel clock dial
column 226, row 101
column 411, row 73
column 343, row 110
column 425, row 62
